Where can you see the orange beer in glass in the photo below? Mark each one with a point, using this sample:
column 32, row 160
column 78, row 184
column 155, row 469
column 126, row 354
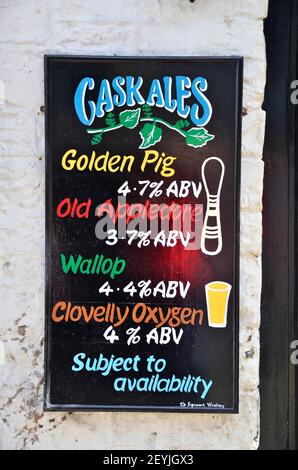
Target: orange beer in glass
column 217, row 296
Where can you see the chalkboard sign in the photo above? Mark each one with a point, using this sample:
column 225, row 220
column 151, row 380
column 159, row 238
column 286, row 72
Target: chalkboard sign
column 142, row 232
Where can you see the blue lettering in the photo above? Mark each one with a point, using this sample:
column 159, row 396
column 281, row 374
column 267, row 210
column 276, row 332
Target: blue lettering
column 126, row 90
column 207, row 387
column 200, row 85
column 104, row 99
column 119, row 384
column 79, row 101
column 132, row 91
column 120, row 98
column 155, row 96
column 170, row 104
column 182, row 83
column 77, row 360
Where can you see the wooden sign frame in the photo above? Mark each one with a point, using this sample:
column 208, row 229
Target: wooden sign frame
column 212, row 339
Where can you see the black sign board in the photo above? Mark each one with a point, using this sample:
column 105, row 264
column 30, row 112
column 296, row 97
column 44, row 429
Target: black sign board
column 142, row 233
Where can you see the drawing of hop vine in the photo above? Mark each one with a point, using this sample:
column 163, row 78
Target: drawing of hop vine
column 152, row 131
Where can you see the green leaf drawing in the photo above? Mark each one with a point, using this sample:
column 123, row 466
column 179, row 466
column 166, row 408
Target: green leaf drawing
column 147, row 110
column 130, row 118
column 96, row 139
column 198, row 137
column 151, row 134
column 110, row 119
column 181, row 124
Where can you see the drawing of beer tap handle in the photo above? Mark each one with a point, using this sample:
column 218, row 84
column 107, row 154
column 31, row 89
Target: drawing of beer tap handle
column 211, row 240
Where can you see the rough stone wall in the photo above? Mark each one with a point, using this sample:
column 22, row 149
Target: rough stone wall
column 29, row 29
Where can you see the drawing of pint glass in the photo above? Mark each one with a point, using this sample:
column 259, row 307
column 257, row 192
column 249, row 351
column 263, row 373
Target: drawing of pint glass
column 217, row 297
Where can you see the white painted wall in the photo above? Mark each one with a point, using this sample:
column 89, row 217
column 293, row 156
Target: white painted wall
column 29, row 29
